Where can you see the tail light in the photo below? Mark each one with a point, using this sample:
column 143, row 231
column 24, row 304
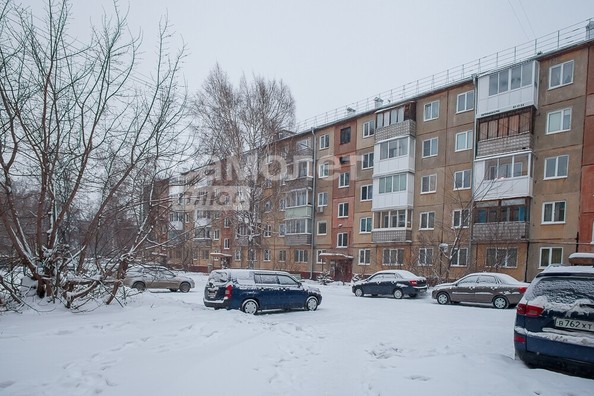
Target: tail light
column 519, row 338
column 532, row 311
column 413, row 282
column 522, row 289
column 228, row 292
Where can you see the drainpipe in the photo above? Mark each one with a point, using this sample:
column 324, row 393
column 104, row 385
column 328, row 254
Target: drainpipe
column 313, row 206
column 473, row 187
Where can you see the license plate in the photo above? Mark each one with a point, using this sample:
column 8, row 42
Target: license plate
column 574, row 324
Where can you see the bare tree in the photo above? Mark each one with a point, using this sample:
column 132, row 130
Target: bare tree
column 84, row 137
column 241, row 125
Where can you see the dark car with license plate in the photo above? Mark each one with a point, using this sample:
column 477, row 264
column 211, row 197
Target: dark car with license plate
column 555, row 321
column 258, row 290
column 396, row 283
column 500, row 290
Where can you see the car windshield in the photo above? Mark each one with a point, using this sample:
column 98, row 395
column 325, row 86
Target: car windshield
column 563, row 290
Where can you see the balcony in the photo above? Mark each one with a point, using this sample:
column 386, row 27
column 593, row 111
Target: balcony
column 506, row 144
column 202, row 242
column 299, row 183
column 387, row 235
column 404, row 128
column 298, row 239
column 502, row 231
column 298, row 212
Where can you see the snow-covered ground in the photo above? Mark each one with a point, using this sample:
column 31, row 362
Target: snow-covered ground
column 169, row 343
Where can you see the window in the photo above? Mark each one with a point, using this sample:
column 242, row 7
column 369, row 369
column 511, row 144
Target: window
column 460, row 218
column 227, row 222
column 390, row 117
column 342, row 240
column 226, row 243
column 367, row 161
column 507, row 210
column 553, row 212
column 502, row 257
column 345, row 135
column 431, row 111
column 556, row 167
column 510, row 79
column 364, row 256
column 506, row 125
column 430, row 147
column 324, row 141
column 366, row 192
column 393, row 256
column 322, row 228
column 559, row 121
column 427, row 221
column 464, row 141
column 237, row 255
column 282, row 255
column 550, row 256
column 298, row 226
column 392, row 183
column 343, row 180
column 282, row 230
column 395, row 218
column 319, row 259
column 267, row 231
column 303, row 144
column 365, row 225
column 323, row 199
column 303, row 169
column 324, row 169
column 282, row 204
column 368, row 128
column 428, row 184
column 394, row 148
column 301, row 256
column 560, row 75
column 425, row 256
column 266, row 255
column 506, row 167
column 343, row 209
column 462, row 179
column 459, row 257
column 465, row 102
column 217, row 234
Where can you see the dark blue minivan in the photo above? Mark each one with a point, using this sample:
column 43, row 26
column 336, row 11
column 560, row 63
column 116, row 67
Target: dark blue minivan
column 258, row 290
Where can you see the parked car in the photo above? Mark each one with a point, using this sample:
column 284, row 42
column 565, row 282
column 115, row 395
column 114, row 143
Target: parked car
column 156, row 277
column 501, row 290
column 394, row 282
column 258, row 290
column 555, row 321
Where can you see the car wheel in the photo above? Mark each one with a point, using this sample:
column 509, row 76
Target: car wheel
column 500, row 302
column 184, row 287
column 250, row 307
column 398, row 294
column 359, row 292
column 140, row 286
column 311, row 304
column 443, row 298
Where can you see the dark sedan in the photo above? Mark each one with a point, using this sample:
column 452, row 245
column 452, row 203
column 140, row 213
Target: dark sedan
column 391, row 282
column 501, row 290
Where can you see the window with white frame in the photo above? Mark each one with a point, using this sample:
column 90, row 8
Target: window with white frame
column 322, row 199
column 459, row 257
column 344, row 180
column 431, row 111
column 427, row 221
column 342, row 240
column 324, row 141
column 303, row 169
column 400, row 218
column 282, row 255
column 324, row 169
column 430, row 147
column 559, row 121
column 282, row 204
column 510, row 79
column 426, row 256
column 367, row 161
column 394, row 148
column 367, row 192
column 319, row 258
column 392, row 183
column 368, row 128
column 364, row 256
column 556, row 167
column 226, row 243
column 460, row 218
column 390, row 117
column 267, row 231
column 282, row 229
column 343, row 209
column 216, row 234
column 465, row 102
column 322, row 228
column 266, row 255
column 227, row 222
column 428, row 184
column 507, row 167
column 560, row 75
column 393, row 256
column 553, row 212
column 237, row 255
column 301, row 256
column 550, row 256
column 463, row 141
column 365, row 225
column 462, row 179
column 502, row 257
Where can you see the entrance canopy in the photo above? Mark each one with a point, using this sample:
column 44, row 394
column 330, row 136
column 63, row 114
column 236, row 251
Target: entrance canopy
column 335, row 256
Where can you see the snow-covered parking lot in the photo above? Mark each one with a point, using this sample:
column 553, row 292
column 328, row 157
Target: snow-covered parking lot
column 169, row 343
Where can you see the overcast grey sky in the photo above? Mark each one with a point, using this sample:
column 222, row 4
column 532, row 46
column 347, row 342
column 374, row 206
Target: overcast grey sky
column 335, row 52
